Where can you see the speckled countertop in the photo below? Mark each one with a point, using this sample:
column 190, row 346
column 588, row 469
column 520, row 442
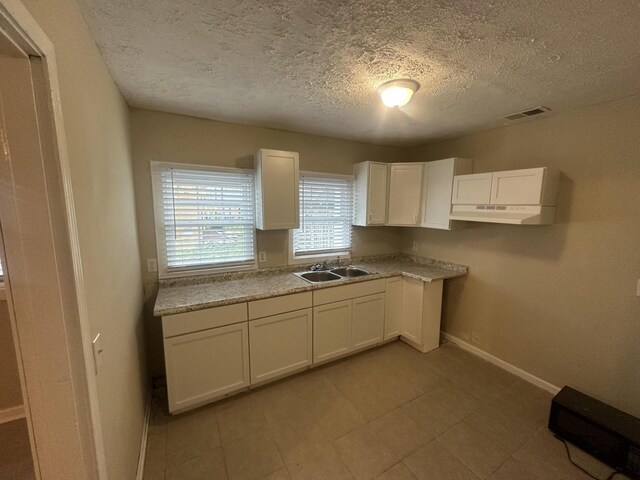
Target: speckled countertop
column 189, row 294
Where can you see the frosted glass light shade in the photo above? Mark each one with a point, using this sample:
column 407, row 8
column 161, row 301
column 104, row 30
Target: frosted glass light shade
column 397, row 93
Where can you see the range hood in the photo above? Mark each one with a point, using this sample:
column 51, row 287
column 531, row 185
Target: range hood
column 517, row 197
column 510, row 214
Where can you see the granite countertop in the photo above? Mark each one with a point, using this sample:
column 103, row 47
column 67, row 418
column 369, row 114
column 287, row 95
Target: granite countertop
column 197, row 293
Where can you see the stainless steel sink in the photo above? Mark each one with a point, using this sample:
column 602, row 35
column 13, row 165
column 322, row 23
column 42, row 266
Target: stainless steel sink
column 350, row 272
column 318, row 277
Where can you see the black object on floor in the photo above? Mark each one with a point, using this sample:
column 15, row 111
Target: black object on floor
column 601, row 430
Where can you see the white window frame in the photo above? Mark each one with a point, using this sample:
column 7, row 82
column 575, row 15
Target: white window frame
column 163, row 270
column 312, row 258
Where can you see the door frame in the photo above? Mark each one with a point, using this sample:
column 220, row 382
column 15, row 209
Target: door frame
column 63, row 416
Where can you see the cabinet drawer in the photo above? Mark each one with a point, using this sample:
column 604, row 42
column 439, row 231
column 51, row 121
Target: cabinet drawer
column 347, row 292
column 190, row 322
column 276, row 305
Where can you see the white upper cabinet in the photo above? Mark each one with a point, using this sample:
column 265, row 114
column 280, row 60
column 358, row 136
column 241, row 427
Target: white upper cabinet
column 529, row 186
column 405, row 194
column 472, row 189
column 437, row 190
column 371, row 183
column 277, row 191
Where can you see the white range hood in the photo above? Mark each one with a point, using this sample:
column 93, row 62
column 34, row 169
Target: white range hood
column 517, row 197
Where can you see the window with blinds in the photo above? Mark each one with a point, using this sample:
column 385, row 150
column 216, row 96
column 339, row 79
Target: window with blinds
column 326, row 215
column 205, row 217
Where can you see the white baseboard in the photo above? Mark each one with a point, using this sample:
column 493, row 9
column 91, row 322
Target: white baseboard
column 538, row 382
column 145, row 435
column 10, row 414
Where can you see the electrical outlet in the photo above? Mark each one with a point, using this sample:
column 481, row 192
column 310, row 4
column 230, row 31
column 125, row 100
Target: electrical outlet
column 414, row 247
column 152, row 265
column 262, row 257
column 475, row 338
column 97, row 352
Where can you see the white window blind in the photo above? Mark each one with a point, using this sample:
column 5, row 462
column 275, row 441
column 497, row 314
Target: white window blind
column 205, row 218
column 326, row 215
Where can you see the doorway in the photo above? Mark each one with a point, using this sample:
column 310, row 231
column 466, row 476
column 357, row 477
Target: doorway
column 51, row 407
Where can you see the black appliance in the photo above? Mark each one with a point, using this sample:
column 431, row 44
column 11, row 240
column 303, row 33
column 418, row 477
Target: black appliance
column 601, row 430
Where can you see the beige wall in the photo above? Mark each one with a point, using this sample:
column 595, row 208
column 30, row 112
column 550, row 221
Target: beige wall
column 97, row 131
column 167, row 137
column 557, row 301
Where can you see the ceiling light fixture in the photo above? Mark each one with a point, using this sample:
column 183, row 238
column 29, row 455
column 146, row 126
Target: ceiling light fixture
column 397, row 93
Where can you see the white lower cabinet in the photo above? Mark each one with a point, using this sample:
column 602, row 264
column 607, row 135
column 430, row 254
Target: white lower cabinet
column 343, row 327
column 421, row 310
column 280, row 344
column 367, row 324
column 216, row 352
column 206, row 365
column 393, row 308
column 331, row 330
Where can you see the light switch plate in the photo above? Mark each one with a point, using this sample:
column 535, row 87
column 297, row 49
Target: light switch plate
column 97, row 352
column 152, row 265
column 262, row 257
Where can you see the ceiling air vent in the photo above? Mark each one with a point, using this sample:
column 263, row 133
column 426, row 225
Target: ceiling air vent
column 527, row 113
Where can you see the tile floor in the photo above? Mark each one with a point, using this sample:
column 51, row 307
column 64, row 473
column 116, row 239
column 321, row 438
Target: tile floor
column 388, row 413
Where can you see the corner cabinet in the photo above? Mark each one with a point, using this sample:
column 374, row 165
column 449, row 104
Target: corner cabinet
column 437, row 189
column 371, row 195
column 405, row 193
column 277, row 189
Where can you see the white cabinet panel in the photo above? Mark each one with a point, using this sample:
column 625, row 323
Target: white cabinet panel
column 367, row 323
column 331, row 330
column 280, row 344
column 412, row 291
column 438, row 188
column 405, row 194
column 277, row 190
column 422, row 307
column 371, row 183
column 472, row 189
column 206, row 365
column 393, row 308
column 517, row 187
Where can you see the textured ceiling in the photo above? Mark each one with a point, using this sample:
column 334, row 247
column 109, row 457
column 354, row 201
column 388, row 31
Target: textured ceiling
column 314, row 65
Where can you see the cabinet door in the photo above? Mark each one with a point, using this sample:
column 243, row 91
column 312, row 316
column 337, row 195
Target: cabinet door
column 412, row 292
column 405, row 193
column 331, row 331
column 367, row 324
column 277, row 190
column 377, row 194
column 517, row 187
column 472, row 189
column 280, row 344
column 206, row 365
column 393, row 308
column 438, row 184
